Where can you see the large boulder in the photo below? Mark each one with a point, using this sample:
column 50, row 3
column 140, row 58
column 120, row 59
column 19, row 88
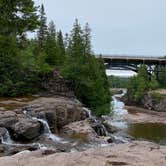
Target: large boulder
column 2, row 133
column 83, row 131
column 26, row 129
column 58, row 111
column 8, row 118
column 155, row 100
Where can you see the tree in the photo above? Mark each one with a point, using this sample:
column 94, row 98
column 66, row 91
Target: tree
column 61, row 48
column 162, row 77
column 76, row 45
column 140, row 84
column 87, row 40
column 51, row 46
column 42, row 32
column 17, row 17
column 86, row 74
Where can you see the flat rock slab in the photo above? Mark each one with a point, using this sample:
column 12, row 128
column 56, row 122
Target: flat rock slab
column 131, row 154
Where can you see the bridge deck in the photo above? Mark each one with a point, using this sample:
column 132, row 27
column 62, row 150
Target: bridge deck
column 129, row 59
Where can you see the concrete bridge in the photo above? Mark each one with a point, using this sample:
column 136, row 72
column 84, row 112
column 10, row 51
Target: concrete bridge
column 133, row 62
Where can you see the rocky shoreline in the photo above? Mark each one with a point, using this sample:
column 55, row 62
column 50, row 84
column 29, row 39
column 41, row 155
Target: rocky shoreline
column 131, row 154
column 23, row 127
column 75, row 136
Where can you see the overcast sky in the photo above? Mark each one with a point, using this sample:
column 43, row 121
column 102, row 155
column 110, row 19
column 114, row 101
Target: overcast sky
column 135, row 27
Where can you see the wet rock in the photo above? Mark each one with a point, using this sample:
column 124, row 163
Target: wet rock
column 59, row 111
column 110, row 140
column 100, row 129
column 2, row 149
column 8, row 118
column 2, row 133
column 82, row 131
column 51, row 118
column 26, row 129
column 109, row 127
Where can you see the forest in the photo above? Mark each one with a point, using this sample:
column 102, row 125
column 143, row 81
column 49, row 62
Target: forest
column 25, row 61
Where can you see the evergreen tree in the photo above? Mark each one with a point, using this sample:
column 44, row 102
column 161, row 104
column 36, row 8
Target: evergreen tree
column 76, row 45
column 86, row 74
column 66, row 41
column 17, row 17
column 42, row 32
column 51, row 46
column 87, row 40
column 140, row 84
column 162, row 77
column 61, row 47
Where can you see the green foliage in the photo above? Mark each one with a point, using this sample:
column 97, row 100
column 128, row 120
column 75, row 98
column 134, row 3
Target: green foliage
column 50, row 46
column 162, row 77
column 43, row 66
column 118, row 82
column 86, row 74
column 157, row 96
column 60, row 48
column 140, row 84
column 17, row 17
column 42, row 31
column 23, row 62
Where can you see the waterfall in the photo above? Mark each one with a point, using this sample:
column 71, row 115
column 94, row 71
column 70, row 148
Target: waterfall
column 47, row 130
column 118, row 112
column 88, row 111
column 6, row 139
column 45, row 125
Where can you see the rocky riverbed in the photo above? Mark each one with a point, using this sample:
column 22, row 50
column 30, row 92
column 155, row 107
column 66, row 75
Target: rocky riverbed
column 58, row 130
column 130, row 154
column 57, row 123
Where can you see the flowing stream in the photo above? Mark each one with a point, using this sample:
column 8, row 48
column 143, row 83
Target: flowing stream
column 155, row 132
column 147, row 131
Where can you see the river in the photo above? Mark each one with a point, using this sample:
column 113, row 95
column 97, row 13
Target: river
column 155, row 132
column 125, row 132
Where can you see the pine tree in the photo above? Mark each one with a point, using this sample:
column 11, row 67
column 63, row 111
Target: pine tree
column 87, row 40
column 42, row 32
column 162, row 77
column 52, row 31
column 14, row 23
column 51, row 45
column 61, row 48
column 66, row 41
column 76, row 45
column 86, row 74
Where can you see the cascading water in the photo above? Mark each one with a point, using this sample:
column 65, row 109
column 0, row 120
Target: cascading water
column 6, row 139
column 88, row 111
column 116, row 120
column 118, row 108
column 99, row 128
column 47, row 130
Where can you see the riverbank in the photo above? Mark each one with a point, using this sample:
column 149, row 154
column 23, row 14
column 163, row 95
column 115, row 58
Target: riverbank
column 131, row 154
column 70, row 135
column 142, row 115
